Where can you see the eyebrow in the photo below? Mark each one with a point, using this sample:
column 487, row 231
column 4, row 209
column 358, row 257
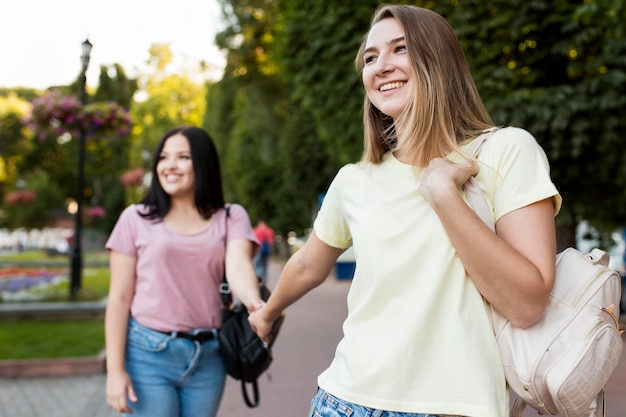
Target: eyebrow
column 391, row 42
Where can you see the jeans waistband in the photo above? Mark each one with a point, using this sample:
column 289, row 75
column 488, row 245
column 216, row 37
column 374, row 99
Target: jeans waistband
column 201, row 336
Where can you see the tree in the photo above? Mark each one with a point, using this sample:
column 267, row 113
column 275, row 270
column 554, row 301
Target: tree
column 555, row 68
column 13, row 142
column 168, row 100
column 268, row 130
column 118, row 88
column 246, row 109
column 558, row 69
column 317, row 47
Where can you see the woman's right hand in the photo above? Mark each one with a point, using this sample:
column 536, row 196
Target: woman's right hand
column 260, row 324
column 120, row 388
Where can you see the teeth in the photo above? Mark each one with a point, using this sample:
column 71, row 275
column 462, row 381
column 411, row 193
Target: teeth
column 391, row 86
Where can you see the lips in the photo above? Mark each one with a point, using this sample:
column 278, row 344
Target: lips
column 391, row 86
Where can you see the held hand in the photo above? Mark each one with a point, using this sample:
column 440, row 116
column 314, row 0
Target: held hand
column 260, row 324
column 442, row 177
column 118, row 389
column 254, row 306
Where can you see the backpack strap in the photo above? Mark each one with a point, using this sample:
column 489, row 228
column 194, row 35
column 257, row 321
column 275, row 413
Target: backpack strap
column 255, row 392
column 225, row 291
column 473, row 192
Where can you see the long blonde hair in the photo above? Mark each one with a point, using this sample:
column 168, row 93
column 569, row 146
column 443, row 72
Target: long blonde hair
column 446, row 109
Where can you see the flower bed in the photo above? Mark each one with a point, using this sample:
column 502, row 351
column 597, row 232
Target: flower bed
column 28, row 283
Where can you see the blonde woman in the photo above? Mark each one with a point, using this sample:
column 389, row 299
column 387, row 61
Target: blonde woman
column 418, row 339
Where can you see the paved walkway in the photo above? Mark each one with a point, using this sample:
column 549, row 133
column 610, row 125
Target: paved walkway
column 304, row 348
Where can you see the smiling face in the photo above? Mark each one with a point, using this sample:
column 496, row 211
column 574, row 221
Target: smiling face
column 386, row 68
column 175, row 167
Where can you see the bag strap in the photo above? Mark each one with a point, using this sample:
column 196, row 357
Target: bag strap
column 255, row 392
column 225, row 291
column 473, row 192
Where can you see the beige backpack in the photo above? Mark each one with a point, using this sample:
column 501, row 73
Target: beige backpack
column 561, row 364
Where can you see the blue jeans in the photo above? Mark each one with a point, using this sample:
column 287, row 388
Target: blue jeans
column 327, row 405
column 173, row 377
column 260, row 265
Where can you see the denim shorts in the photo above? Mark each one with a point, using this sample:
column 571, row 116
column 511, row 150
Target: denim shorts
column 173, row 376
column 327, row 405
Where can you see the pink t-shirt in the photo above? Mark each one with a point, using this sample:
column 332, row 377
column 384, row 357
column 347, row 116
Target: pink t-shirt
column 177, row 276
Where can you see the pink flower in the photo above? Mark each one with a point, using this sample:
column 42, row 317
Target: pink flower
column 97, row 212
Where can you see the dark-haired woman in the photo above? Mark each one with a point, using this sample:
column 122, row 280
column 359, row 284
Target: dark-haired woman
column 167, row 257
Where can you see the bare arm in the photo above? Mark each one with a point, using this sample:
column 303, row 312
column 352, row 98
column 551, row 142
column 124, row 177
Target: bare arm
column 240, row 273
column 513, row 269
column 305, row 270
column 121, row 290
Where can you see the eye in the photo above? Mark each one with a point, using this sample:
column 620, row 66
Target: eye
column 400, row 48
column 369, row 58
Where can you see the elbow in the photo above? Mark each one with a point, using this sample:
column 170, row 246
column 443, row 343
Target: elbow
column 524, row 322
column 529, row 315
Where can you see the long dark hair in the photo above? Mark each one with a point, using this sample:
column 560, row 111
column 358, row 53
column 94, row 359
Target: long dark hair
column 208, row 194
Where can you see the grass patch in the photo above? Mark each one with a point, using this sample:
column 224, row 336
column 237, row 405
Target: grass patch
column 43, row 339
column 40, row 256
column 28, row 339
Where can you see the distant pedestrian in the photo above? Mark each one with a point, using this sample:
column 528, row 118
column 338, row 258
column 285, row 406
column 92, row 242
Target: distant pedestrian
column 168, row 256
column 265, row 236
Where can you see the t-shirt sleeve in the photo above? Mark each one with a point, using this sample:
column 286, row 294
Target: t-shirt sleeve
column 123, row 236
column 330, row 224
column 239, row 226
column 515, row 172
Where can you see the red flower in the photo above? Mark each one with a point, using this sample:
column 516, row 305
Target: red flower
column 132, row 177
column 20, row 197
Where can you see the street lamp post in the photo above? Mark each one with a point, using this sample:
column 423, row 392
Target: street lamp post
column 77, row 257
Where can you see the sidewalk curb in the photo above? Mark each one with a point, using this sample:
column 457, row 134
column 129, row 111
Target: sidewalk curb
column 69, row 310
column 31, row 368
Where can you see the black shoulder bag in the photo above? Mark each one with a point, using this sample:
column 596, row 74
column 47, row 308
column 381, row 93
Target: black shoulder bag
column 245, row 355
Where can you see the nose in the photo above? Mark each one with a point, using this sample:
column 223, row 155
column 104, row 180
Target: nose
column 169, row 162
column 383, row 65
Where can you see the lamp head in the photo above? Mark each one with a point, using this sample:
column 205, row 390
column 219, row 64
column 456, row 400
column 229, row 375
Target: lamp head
column 84, row 58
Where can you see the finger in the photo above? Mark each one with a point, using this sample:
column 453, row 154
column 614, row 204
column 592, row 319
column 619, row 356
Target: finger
column 131, row 394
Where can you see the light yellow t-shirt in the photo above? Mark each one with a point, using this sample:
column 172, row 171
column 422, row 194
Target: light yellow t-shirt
column 418, row 336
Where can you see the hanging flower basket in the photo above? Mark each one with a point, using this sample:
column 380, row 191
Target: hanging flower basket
column 54, row 115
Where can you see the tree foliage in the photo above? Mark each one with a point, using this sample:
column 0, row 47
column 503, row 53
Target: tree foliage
column 558, row 69
column 317, row 47
column 246, row 109
column 168, row 100
column 13, row 141
column 287, row 112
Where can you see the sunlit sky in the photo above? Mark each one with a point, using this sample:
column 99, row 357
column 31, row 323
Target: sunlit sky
column 40, row 40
